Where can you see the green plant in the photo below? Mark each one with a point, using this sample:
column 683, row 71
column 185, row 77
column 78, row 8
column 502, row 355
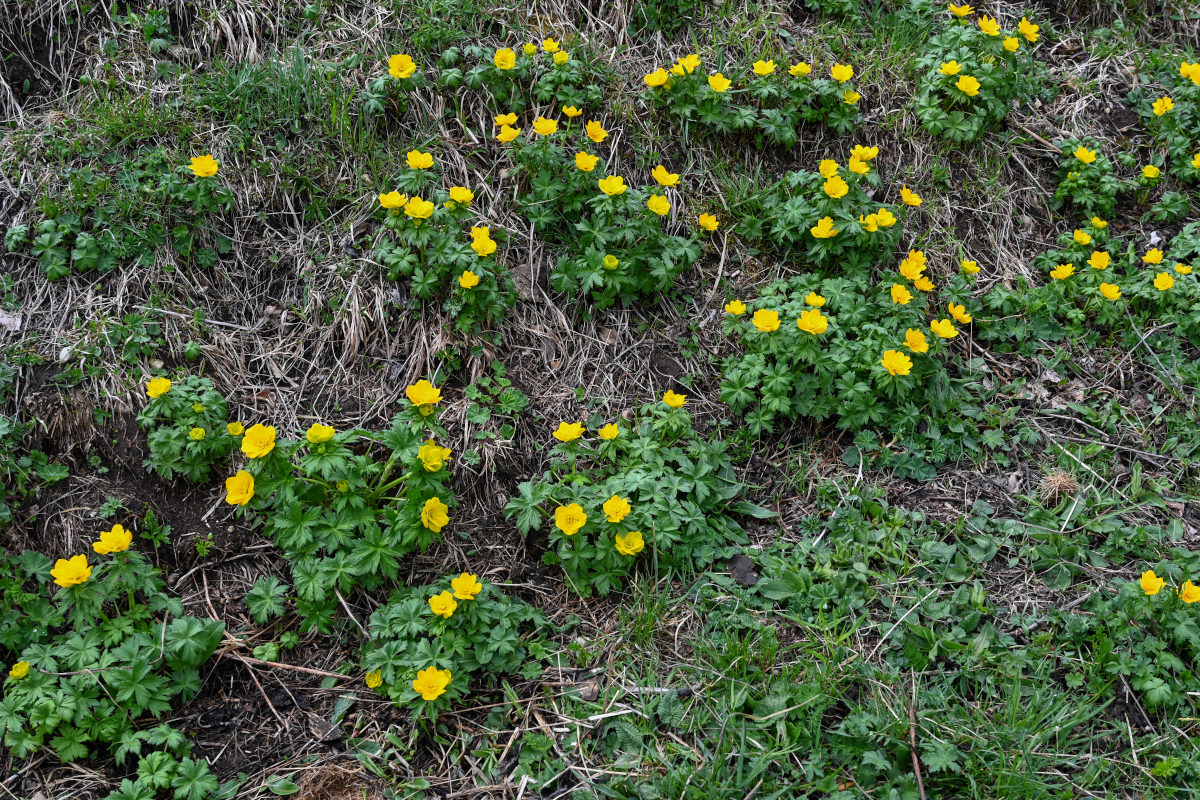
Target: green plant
column 188, row 433
column 972, row 73
column 107, row 649
column 342, row 518
column 1168, row 101
column 495, row 404
column 652, row 483
column 22, row 472
column 663, row 15
column 511, row 79
column 1086, row 179
column 463, row 625
column 771, row 105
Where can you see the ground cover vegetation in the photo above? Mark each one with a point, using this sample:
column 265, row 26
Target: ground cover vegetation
column 640, row 400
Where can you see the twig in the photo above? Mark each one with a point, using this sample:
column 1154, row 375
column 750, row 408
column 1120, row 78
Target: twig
column 912, row 737
column 229, row 653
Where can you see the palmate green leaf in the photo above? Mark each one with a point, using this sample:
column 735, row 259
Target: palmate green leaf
column 194, row 781
column 70, row 744
column 189, row 641
column 267, row 599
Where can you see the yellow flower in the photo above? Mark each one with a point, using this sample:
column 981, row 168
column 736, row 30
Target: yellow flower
column 239, row 488
column 913, row 264
column 944, row 328
column 1183, row 270
column 609, row 432
column 443, row 604
column 432, row 456
column 1191, row 71
column 319, row 434
column 423, row 393
column 1110, row 290
column 708, row 222
column 508, row 133
column 823, row 229
column 915, row 340
column 461, row 195
column 1012, row 44
column 719, row 83
column 1084, row 155
column 1028, row 30
column 610, row 261
column 657, row 78
column 1099, row 260
column 1151, row 172
column 393, row 200
column 909, row 198
column 258, row 441
column 468, row 280
column 686, row 65
column 19, row 670
column 1082, row 237
column 896, row 362
column 549, row 45
column 968, row 266
column 835, row 187
column 901, row 296
column 204, row 166
column 1189, row 592
column 157, row 387
column 435, row 514
column 1062, row 272
column 505, row 58
column 959, row 312
column 617, row 508
column 814, row 299
column 431, row 682
column 114, row 540
column 664, row 178
column 1162, row 105
column 544, row 127
column 1196, row 161
column 870, row 222
column 197, row 434
column 569, row 519
column 483, row 246
column 529, row 49
column 674, row 400
column 568, row 431
column 841, row 72
column 828, row 168
column 989, row 26
column 72, row 571
column 850, row 97
column 1163, row 281
column 766, row 320
column 735, row 308
column 585, row 162
column 401, row 66
column 595, row 131
column 968, row 85
column 466, row 586
column 1151, row 583
column 659, row 204
column 950, row 68
column 1099, row 224
column 858, row 166
column 419, row 160
column 923, row 283
column 885, row 218
column 764, row 67
column 630, row 544
column 418, row 208
column 800, row 69
column 612, row 185
column 571, row 111
column 373, row 679
column 813, row 321
column 864, row 153
column 1153, row 256
column 960, row 11
column 235, row 429
column 505, row 119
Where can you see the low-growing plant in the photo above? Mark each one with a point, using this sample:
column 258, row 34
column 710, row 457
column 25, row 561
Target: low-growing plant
column 428, row 644
column 770, row 104
column 108, row 648
column 972, row 73
column 1086, row 179
column 1169, row 105
column 495, row 404
column 22, row 472
column 651, row 483
column 427, row 242
column 342, row 517
column 513, row 78
column 188, row 431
